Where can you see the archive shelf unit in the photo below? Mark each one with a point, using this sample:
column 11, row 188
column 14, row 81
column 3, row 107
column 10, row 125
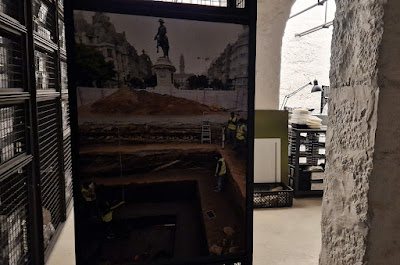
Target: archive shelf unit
column 306, row 149
column 35, row 148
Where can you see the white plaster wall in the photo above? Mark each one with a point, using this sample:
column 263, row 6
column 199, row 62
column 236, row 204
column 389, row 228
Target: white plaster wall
column 271, row 20
column 306, row 58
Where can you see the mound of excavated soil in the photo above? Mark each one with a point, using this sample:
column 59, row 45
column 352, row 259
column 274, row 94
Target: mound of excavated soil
column 127, row 101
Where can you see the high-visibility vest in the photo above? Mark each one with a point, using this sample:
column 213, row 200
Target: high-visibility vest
column 222, row 171
column 240, row 132
column 89, row 195
column 232, row 123
column 108, row 217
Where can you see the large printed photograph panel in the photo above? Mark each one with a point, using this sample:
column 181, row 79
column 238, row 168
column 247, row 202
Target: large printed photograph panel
column 162, row 110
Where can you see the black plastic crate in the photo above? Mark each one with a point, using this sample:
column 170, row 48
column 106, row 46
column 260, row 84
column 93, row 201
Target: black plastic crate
column 265, row 198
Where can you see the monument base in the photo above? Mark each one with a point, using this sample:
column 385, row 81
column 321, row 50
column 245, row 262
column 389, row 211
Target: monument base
column 164, row 71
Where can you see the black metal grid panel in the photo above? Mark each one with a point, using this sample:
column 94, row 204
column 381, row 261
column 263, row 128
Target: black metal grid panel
column 12, row 131
column 14, row 220
column 11, row 62
column 45, row 69
column 222, row 3
column 44, row 19
column 64, row 75
column 65, row 115
column 49, row 165
column 61, row 35
column 68, row 171
column 13, row 8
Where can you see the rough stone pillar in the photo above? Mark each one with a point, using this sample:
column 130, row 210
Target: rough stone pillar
column 361, row 206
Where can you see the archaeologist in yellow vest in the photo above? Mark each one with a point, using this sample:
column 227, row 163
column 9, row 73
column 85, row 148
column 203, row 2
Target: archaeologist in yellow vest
column 107, row 217
column 231, row 132
column 220, row 172
column 88, row 192
column 241, row 132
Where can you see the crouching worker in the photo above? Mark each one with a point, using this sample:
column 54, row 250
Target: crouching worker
column 220, row 172
column 107, row 216
column 89, row 194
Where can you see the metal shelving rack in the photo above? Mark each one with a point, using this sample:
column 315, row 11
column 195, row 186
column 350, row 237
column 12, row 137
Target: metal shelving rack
column 304, row 145
column 33, row 166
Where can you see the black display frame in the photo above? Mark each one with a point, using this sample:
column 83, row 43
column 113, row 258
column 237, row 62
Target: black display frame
column 244, row 16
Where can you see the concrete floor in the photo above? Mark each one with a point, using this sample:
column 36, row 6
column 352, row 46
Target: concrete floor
column 282, row 236
column 288, row 236
column 64, row 250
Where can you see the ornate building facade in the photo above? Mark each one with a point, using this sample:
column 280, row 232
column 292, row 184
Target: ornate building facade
column 115, row 48
column 231, row 67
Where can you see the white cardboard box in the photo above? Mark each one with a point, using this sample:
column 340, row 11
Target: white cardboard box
column 317, row 175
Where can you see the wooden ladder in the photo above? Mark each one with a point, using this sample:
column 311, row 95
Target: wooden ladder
column 206, row 132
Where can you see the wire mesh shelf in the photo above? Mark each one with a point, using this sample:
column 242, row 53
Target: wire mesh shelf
column 45, row 70
column 64, row 75
column 49, row 167
column 11, row 62
column 44, row 19
column 12, row 132
column 14, row 221
column 13, row 8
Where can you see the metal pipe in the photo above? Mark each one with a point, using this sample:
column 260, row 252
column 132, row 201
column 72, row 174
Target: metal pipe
column 326, row 11
column 320, row 3
column 223, row 137
column 323, row 26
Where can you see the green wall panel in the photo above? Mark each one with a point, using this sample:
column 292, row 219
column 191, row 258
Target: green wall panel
column 274, row 124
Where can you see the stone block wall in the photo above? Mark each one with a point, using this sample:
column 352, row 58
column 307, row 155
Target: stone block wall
column 361, row 206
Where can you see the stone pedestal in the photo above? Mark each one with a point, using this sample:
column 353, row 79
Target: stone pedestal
column 164, row 71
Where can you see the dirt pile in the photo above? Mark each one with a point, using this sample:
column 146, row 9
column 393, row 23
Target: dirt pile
column 140, row 102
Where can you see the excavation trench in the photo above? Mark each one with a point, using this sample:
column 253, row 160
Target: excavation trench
column 172, row 190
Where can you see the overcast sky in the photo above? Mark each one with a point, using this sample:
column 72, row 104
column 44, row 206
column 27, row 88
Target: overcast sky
column 188, row 37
